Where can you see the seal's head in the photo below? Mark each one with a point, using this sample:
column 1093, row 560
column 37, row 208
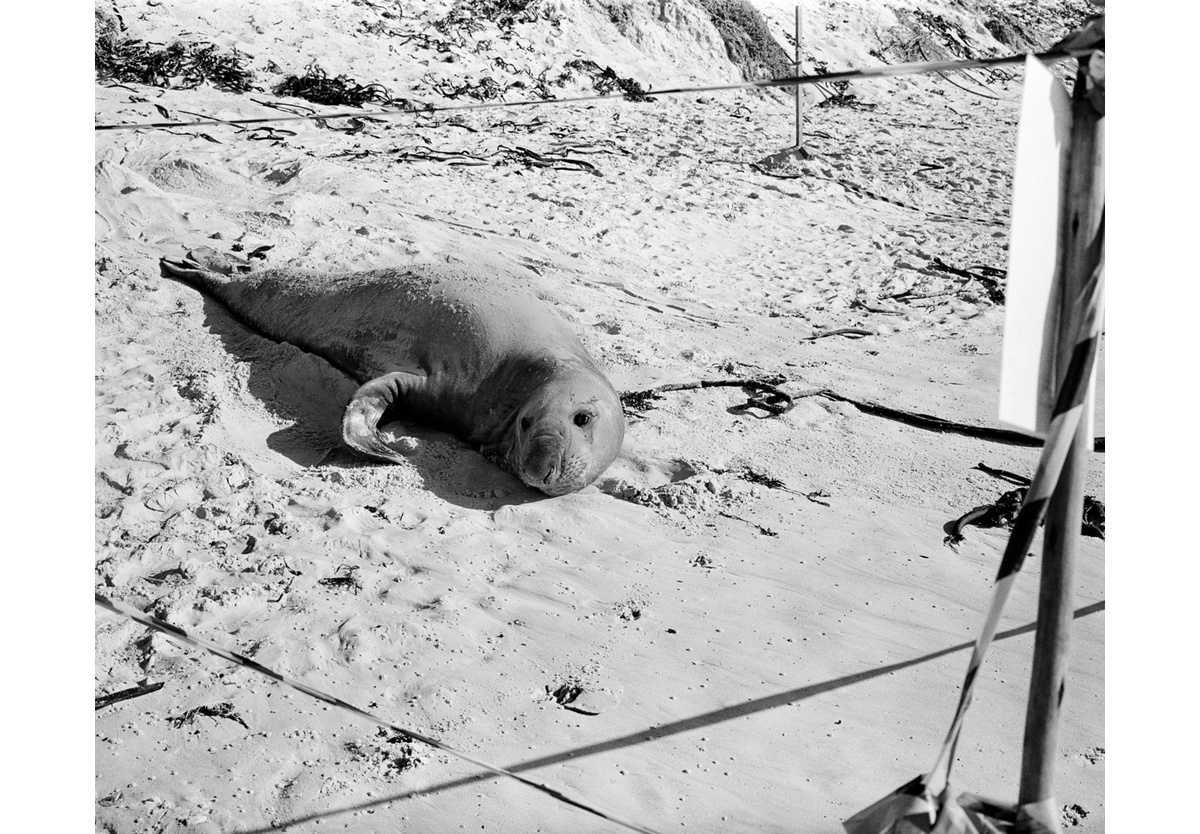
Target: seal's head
column 566, row 433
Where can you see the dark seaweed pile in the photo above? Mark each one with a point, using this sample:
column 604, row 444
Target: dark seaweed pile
column 506, row 14
column 316, row 86
column 181, row 64
column 606, row 80
column 635, row 402
column 189, row 64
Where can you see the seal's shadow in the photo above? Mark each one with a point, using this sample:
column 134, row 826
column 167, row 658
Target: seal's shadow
column 309, row 394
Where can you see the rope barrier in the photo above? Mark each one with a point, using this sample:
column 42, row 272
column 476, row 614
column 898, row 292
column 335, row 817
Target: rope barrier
column 179, row 635
column 886, row 71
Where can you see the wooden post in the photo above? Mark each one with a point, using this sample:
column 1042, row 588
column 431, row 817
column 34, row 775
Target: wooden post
column 1083, row 206
column 799, row 97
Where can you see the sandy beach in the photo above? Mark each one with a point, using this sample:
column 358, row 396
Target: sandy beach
column 750, row 622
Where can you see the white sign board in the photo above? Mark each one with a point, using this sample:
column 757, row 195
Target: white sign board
column 1032, row 294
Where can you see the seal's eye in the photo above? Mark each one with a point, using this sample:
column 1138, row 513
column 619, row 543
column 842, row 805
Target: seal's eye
column 582, row 418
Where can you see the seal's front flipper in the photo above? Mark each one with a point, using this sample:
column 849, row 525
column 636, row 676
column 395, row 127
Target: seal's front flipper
column 360, row 423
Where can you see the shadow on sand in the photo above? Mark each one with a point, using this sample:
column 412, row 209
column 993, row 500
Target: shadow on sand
column 696, row 722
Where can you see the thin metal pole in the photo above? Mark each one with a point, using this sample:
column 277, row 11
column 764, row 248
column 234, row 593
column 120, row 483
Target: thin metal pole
column 1083, row 207
column 799, row 96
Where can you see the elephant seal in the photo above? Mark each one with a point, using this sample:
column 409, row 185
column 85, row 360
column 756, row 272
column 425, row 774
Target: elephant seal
column 444, row 345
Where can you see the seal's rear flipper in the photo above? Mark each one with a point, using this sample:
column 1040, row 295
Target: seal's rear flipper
column 360, row 423
column 202, row 260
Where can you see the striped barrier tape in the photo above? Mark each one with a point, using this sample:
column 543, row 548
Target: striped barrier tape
column 179, row 635
column 1050, row 56
column 927, row 798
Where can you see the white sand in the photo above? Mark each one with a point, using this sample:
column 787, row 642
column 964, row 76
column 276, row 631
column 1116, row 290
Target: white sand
column 742, row 678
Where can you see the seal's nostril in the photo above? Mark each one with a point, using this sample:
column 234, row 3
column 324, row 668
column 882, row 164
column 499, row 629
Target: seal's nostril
column 526, row 423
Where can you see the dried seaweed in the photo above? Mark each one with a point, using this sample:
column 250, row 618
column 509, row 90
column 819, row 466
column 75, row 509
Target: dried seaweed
column 182, row 65
column 1004, row 510
column 504, row 154
column 1003, row 474
column 344, row 579
column 457, row 29
column 222, row 710
column 1093, row 517
column 392, row 752
column 751, row 476
column 701, row 562
column 838, row 94
column 505, row 14
column 566, row 693
column 986, row 275
column 766, row 395
column 485, row 89
column 604, row 80
column 636, row 402
column 608, row 81
column 949, row 36
column 316, row 86
column 761, row 479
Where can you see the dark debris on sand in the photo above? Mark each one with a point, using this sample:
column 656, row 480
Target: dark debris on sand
column 182, row 64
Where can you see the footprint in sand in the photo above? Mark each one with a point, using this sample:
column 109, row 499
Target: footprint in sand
column 648, row 472
column 359, row 643
column 294, row 787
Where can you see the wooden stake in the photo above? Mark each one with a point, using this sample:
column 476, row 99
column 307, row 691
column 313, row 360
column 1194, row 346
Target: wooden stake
column 1083, row 206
